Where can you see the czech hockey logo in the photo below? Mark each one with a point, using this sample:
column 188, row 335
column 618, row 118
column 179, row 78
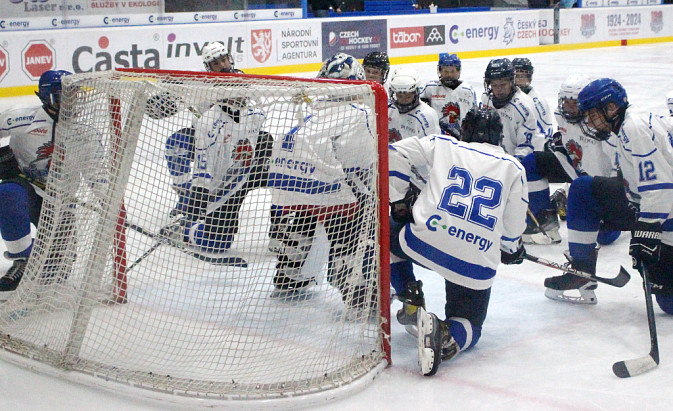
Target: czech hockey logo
column 394, row 135
column 575, row 153
column 509, row 31
column 657, row 23
column 261, row 44
column 588, row 27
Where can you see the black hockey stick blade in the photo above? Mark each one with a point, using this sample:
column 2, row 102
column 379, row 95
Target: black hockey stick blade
column 637, row 366
column 619, row 281
column 223, row 260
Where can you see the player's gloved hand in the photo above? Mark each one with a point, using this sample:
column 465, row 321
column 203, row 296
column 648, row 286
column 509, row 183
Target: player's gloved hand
column 555, row 143
column 645, row 243
column 197, row 202
column 401, row 210
column 516, row 257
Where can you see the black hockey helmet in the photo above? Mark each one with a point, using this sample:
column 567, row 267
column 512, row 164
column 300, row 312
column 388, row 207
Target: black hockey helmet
column 380, row 60
column 523, row 71
column 481, row 125
column 499, row 69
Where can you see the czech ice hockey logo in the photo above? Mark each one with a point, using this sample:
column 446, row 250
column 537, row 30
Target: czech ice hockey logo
column 261, row 44
column 588, row 27
column 575, row 153
column 394, row 135
column 657, row 23
column 243, row 153
column 451, row 112
column 509, row 31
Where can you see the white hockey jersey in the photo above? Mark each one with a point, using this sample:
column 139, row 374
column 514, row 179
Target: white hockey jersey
column 587, row 155
column 224, row 147
column 645, row 156
column 451, row 105
column 545, row 117
column 31, row 138
column 521, row 135
column 326, row 157
column 421, row 121
column 472, row 204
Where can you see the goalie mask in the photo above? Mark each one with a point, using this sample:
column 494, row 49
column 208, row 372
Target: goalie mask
column 568, row 97
column 448, row 70
column 405, row 89
column 499, row 82
column 523, row 73
column 481, row 125
column 377, row 66
column 216, row 58
column 603, row 103
column 342, row 66
column 49, row 89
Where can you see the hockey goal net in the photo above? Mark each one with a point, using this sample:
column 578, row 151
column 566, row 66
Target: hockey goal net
column 111, row 291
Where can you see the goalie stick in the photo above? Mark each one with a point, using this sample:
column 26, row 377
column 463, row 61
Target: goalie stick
column 637, row 366
column 619, row 281
column 224, row 260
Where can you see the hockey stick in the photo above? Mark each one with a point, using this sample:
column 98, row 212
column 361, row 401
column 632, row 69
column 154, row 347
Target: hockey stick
column 226, row 260
column 637, row 366
column 619, row 281
column 537, row 224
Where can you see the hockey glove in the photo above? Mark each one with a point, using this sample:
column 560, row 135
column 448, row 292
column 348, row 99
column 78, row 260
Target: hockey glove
column 401, row 210
column 516, row 257
column 555, row 143
column 645, row 243
column 197, row 202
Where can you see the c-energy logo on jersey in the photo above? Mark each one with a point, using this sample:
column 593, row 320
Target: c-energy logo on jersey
column 401, row 37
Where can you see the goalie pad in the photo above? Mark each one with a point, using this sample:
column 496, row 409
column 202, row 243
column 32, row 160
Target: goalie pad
column 297, row 232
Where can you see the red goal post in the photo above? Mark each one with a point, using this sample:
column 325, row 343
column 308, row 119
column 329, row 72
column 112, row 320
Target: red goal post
column 133, row 308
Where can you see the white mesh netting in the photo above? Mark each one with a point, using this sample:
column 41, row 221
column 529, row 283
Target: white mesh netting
column 208, row 236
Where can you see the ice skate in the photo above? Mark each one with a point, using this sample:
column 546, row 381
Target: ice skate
column 412, row 299
column 548, row 221
column 10, row 281
column 435, row 343
column 571, row 288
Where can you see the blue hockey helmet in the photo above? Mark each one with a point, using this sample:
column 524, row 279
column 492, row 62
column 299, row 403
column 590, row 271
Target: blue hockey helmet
column 342, row 66
column 481, row 125
column 49, row 88
column 598, row 94
column 446, row 59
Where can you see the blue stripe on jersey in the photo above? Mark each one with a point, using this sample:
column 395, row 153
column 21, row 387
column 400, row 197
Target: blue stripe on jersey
column 644, row 155
column 651, row 187
column 302, row 185
column 513, row 239
column 203, row 175
column 399, row 175
column 667, row 225
column 447, row 261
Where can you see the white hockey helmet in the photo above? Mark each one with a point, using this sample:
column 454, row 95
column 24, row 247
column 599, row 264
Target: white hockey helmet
column 570, row 90
column 342, row 66
column 669, row 101
column 213, row 51
column 405, row 80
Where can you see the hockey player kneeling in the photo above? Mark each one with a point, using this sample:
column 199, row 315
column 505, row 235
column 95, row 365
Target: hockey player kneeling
column 473, row 197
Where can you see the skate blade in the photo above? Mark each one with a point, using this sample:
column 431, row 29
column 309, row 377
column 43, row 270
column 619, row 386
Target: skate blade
column 426, row 356
column 586, row 297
